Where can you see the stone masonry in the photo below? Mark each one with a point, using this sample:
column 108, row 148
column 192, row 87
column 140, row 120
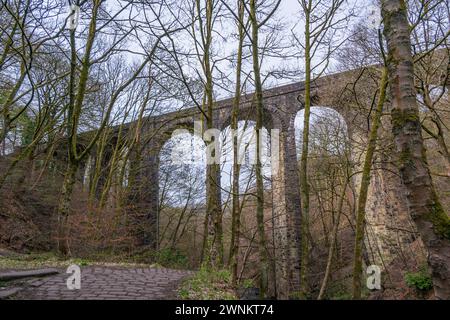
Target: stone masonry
column 281, row 105
column 108, row 283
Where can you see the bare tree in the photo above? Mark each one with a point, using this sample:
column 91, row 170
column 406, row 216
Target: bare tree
column 425, row 208
column 322, row 22
column 365, row 181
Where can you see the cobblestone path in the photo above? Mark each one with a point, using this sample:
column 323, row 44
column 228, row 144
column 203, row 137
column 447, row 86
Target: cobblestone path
column 109, row 283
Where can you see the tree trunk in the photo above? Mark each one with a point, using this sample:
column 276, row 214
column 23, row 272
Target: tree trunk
column 235, row 220
column 304, row 185
column 73, row 118
column 365, row 182
column 213, row 203
column 62, row 240
column 333, row 243
column 263, row 263
column 431, row 220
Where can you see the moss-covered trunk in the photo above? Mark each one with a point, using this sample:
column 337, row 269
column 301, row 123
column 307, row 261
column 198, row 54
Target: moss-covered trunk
column 73, row 118
column 431, row 220
column 333, row 243
column 213, row 201
column 62, row 238
column 235, row 216
column 365, row 181
column 304, row 185
column 263, row 261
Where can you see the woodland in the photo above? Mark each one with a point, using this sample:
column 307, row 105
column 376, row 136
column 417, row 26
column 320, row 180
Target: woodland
column 373, row 166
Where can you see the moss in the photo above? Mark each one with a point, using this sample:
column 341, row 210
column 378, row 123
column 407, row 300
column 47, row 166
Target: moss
column 439, row 219
column 342, row 296
column 248, row 283
column 171, row 258
column 401, row 117
column 297, row 295
column 49, row 259
column 403, row 5
column 405, row 158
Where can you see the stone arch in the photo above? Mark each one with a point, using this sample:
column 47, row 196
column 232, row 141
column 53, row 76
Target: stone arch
column 246, row 138
column 145, row 198
column 281, row 105
column 318, row 112
column 162, row 131
column 247, row 113
column 174, row 169
column 279, row 114
column 247, row 151
column 388, row 225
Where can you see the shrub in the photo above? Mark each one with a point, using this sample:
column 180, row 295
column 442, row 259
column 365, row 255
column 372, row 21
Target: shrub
column 208, row 284
column 171, row 258
column 420, row 280
column 248, row 283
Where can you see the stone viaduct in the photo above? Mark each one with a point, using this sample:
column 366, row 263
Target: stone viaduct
column 386, row 206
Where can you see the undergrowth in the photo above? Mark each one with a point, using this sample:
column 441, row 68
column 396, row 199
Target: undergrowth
column 208, row 284
column 49, row 259
column 420, row 280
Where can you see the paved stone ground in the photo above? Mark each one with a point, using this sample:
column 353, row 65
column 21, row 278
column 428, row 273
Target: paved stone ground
column 109, row 283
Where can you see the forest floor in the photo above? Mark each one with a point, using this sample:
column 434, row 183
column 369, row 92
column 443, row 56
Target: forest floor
column 128, row 280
